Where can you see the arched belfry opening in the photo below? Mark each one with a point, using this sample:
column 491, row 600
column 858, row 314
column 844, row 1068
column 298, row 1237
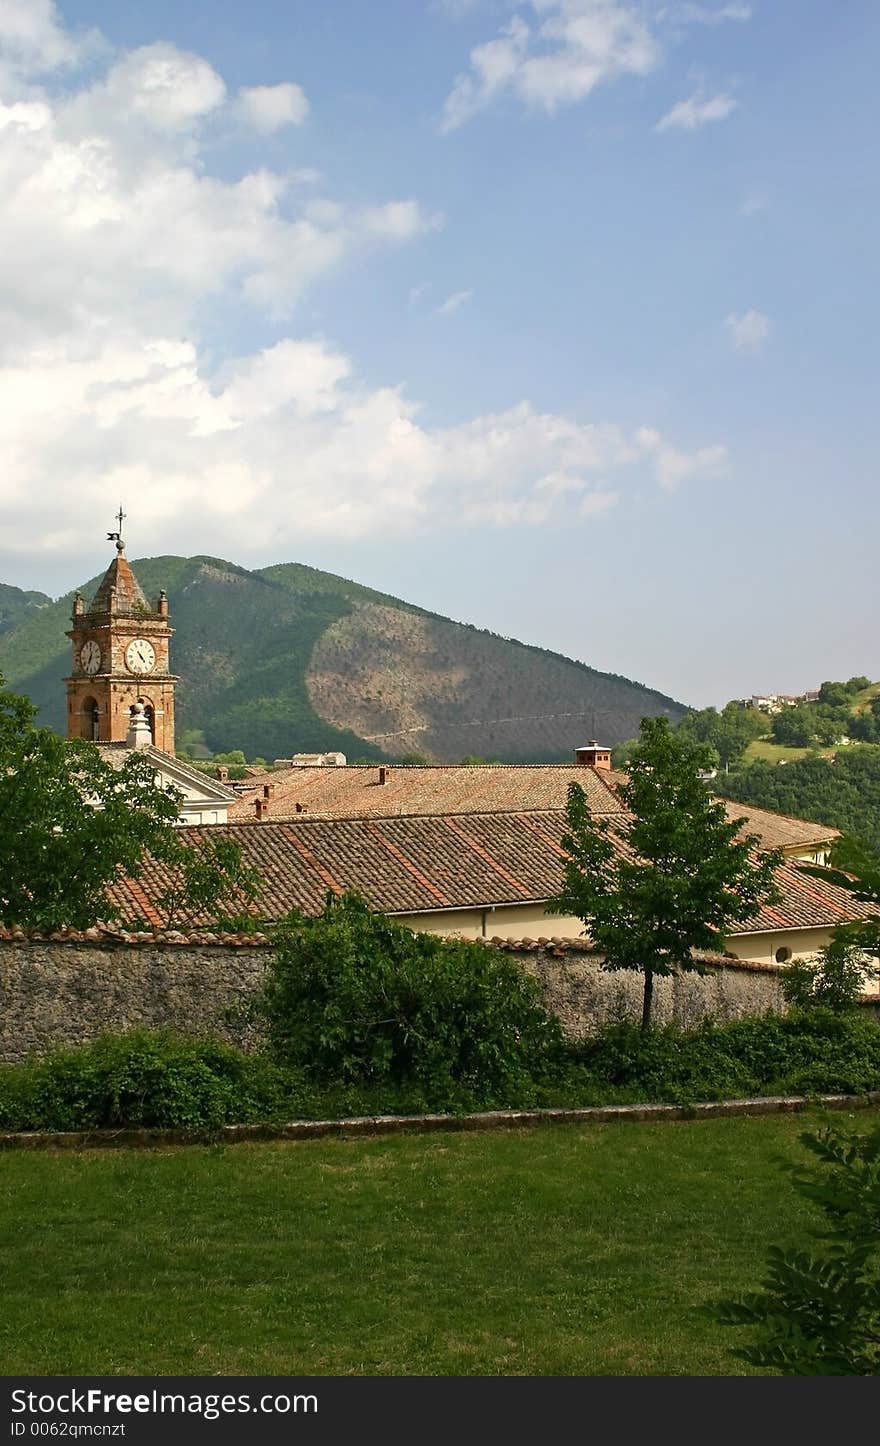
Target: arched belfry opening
column 90, row 719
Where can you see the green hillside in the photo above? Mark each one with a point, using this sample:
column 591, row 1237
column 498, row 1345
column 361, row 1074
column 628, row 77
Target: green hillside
column 289, row 659
column 843, row 791
column 818, row 760
column 17, row 607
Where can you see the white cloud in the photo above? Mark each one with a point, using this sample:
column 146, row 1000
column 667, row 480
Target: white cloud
column 695, row 14
column 267, row 108
column 672, row 467
column 575, row 45
column 748, row 331
column 116, row 238
column 453, row 302
column 156, row 89
column 691, row 114
column 112, row 219
column 33, row 41
column 595, row 503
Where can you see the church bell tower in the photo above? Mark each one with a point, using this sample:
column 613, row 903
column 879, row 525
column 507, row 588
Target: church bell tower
column 120, row 659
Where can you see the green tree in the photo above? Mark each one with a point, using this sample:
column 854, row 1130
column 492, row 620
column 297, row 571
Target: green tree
column 729, row 732
column 208, row 880
column 836, row 694
column 865, row 727
column 72, row 823
column 683, row 874
column 795, row 727
column 844, row 792
column 621, row 753
column 819, row 1314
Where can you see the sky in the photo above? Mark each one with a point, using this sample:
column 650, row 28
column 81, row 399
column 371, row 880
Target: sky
column 557, row 317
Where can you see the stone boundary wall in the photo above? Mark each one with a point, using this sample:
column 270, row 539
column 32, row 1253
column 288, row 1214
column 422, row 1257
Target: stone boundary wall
column 584, row 995
column 55, row 992
column 66, row 990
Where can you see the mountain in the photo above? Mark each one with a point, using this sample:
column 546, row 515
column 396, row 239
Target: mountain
column 17, row 606
column 288, row 659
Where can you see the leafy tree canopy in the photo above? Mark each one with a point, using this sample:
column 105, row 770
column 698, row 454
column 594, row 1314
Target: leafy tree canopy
column 72, row 823
column 729, row 732
column 843, row 791
column 687, row 872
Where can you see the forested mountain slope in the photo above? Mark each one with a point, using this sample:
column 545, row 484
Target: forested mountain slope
column 17, row 606
column 289, row 659
column 843, row 791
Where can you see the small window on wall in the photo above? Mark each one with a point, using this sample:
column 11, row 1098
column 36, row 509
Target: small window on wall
column 783, row 955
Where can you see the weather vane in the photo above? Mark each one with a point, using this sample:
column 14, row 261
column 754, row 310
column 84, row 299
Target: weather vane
column 117, row 536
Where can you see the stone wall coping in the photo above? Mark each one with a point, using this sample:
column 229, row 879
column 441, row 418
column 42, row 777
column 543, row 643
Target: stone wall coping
column 393, row 1124
column 111, row 936
column 557, row 946
column 108, row 936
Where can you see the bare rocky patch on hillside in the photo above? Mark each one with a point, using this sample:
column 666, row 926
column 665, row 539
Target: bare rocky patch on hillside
column 410, row 683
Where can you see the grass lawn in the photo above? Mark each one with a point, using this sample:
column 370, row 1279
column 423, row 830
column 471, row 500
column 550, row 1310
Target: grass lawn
column 761, row 750
column 562, row 1250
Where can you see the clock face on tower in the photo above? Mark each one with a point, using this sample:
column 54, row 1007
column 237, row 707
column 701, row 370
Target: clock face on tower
column 90, row 656
column 140, row 656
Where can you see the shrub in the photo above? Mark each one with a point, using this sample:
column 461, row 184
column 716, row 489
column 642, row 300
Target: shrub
column 140, row 1079
column 815, row 1051
column 819, row 1314
column 354, row 996
column 835, row 981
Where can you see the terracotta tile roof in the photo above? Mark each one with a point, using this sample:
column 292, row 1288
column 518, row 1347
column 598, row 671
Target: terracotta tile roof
column 422, row 863
column 355, row 792
column 781, row 830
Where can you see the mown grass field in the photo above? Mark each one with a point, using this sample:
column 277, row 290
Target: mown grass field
column 550, row 1251
column 763, row 751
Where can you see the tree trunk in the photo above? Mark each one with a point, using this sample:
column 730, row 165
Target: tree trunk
column 648, row 999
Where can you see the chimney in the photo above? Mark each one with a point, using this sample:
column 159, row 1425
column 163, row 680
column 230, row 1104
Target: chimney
column 162, row 604
column 268, row 790
column 593, row 755
column 261, row 807
column 383, row 775
column 222, row 773
column 300, row 808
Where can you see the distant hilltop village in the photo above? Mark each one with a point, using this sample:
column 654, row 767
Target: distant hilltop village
column 775, row 702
